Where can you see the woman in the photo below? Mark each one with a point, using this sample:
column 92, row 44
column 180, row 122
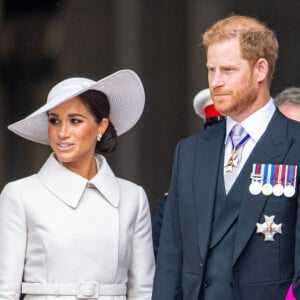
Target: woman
column 74, row 230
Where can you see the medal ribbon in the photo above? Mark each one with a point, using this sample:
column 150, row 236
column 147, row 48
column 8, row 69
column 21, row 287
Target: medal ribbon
column 292, row 176
column 276, row 175
column 240, row 143
column 289, row 175
column 295, row 175
column 253, row 174
column 290, row 180
column 267, row 174
column 262, row 171
column 278, row 188
column 279, row 171
column 256, row 172
column 272, row 178
column 285, row 175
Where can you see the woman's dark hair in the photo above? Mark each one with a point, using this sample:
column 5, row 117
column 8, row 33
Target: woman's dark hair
column 98, row 104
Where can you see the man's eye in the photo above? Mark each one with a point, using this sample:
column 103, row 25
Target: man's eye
column 53, row 121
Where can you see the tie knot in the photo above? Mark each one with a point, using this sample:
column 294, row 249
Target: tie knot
column 237, row 133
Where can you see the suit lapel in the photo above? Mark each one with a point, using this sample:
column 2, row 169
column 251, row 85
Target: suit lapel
column 205, row 180
column 228, row 213
column 271, row 148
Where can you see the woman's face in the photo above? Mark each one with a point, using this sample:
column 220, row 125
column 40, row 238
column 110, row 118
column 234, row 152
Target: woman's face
column 72, row 132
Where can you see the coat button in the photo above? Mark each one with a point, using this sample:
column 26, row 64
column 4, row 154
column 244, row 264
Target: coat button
column 206, row 283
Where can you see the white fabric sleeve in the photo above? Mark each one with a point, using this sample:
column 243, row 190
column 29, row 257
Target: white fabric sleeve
column 12, row 242
column 142, row 267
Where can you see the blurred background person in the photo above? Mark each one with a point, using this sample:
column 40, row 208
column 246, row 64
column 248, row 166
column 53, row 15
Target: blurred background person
column 288, row 102
column 205, row 109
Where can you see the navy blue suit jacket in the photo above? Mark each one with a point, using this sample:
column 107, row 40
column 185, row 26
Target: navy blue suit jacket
column 157, row 222
column 260, row 270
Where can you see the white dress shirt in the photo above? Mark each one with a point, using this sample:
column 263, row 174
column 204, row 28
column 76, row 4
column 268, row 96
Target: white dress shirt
column 255, row 125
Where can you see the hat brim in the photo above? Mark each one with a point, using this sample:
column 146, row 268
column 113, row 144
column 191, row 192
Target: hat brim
column 125, row 94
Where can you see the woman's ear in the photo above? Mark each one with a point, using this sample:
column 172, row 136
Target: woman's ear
column 103, row 126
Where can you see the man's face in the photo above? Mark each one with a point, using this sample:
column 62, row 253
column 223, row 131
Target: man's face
column 231, row 79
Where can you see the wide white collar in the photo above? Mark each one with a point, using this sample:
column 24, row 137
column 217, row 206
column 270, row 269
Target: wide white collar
column 69, row 186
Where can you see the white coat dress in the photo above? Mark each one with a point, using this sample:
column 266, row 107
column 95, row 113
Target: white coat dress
column 57, row 227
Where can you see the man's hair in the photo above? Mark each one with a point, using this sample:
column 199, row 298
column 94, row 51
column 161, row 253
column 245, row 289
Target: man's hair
column 289, row 95
column 256, row 40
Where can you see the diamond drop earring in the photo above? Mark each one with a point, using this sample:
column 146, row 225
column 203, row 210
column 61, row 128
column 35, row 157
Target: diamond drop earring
column 99, row 137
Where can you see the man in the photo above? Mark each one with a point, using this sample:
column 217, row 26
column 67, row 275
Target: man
column 288, row 102
column 225, row 237
column 205, row 109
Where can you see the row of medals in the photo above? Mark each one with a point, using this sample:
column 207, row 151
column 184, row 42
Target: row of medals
column 257, row 186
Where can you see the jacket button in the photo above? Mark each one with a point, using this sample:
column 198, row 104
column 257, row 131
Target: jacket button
column 206, row 283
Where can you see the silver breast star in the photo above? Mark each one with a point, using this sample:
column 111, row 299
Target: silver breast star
column 268, row 228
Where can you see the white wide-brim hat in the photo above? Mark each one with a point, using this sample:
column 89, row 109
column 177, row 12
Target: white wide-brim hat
column 123, row 89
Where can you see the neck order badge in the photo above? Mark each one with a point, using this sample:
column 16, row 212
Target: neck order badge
column 237, row 141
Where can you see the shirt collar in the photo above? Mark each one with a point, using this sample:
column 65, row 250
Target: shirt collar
column 256, row 124
column 69, row 186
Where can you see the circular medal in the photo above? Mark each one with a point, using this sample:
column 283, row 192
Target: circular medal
column 267, row 189
column 289, row 191
column 278, row 189
column 255, row 187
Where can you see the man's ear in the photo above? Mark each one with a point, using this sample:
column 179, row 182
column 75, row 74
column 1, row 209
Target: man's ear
column 261, row 69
